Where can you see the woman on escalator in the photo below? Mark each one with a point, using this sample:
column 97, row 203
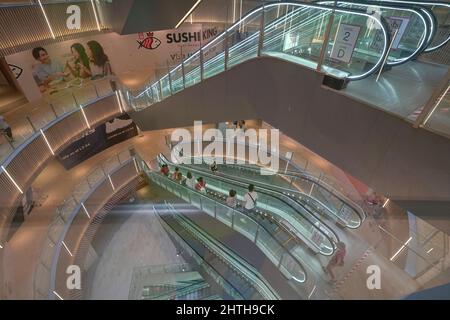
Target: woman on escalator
column 201, row 185
column 232, row 199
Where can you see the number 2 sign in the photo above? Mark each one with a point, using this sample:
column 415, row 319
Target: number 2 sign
column 344, row 42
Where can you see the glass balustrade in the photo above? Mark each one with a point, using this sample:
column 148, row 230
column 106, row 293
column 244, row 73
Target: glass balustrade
column 439, row 11
column 290, row 31
column 242, row 223
column 299, row 187
column 411, row 28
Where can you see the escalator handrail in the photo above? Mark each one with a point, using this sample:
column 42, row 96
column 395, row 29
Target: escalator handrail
column 198, row 254
column 270, row 188
column 300, row 175
column 428, row 4
column 252, row 274
column 256, row 222
column 246, row 167
column 233, row 181
column 303, row 174
column 299, row 4
column 423, row 16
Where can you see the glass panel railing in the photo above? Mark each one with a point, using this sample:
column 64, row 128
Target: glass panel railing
column 409, row 26
column 239, row 221
column 295, row 33
column 214, row 57
column 165, row 86
column 230, row 257
column 243, row 39
column 31, row 117
column 176, row 77
column 439, row 10
column 192, row 70
column 290, row 31
column 308, row 228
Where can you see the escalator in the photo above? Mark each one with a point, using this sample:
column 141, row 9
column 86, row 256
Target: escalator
column 274, row 240
column 299, row 185
column 416, row 27
column 308, row 228
column 295, row 32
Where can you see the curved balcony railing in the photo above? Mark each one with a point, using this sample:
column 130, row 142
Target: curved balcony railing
column 63, row 244
column 59, row 128
column 412, row 29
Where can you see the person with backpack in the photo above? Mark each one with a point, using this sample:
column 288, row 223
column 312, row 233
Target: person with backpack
column 250, row 199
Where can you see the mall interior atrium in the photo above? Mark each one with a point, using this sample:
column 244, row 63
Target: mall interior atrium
column 224, row 150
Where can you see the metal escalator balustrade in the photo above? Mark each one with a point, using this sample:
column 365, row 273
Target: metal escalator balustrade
column 228, row 256
column 286, row 30
column 249, row 227
column 293, row 181
column 416, row 27
column 209, row 267
column 312, row 231
column 300, row 189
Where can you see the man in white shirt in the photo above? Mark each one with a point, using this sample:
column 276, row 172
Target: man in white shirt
column 190, row 181
column 250, row 198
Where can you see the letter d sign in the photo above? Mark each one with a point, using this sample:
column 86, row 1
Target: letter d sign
column 374, row 280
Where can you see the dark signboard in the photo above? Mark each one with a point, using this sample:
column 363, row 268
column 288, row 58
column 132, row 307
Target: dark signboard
column 97, row 140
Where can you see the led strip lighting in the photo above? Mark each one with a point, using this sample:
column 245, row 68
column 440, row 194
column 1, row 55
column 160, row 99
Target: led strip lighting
column 46, row 141
column 188, row 13
column 64, row 244
column 85, row 118
column 95, row 14
column 46, row 19
column 119, row 102
column 112, row 184
column 435, row 106
column 12, row 180
column 401, row 248
column 85, row 210
column 56, row 294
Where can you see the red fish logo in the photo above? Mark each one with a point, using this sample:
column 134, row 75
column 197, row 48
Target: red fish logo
column 150, row 42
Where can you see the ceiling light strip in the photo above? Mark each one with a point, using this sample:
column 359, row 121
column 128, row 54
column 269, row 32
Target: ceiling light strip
column 12, row 180
column 46, row 19
column 46, row 141
column 95, row 14
column 188, row 13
